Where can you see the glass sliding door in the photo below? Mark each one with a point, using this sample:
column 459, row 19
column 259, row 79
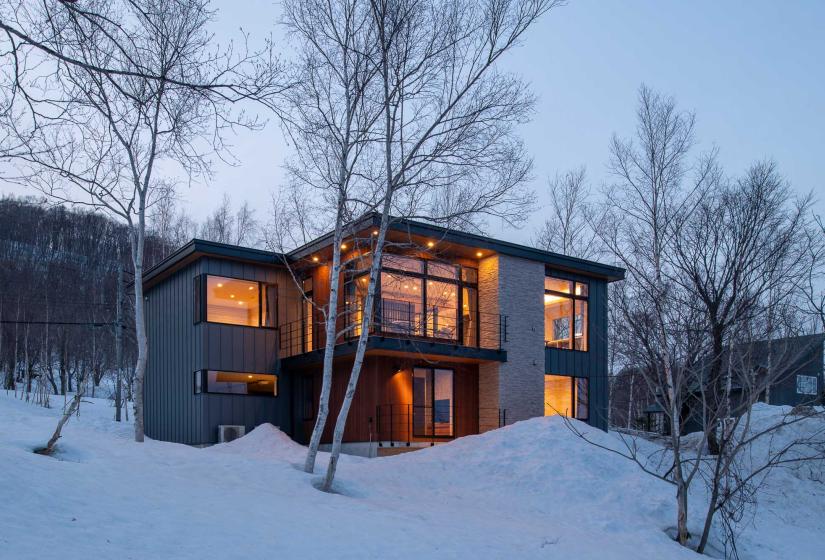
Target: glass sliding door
column 433, row 403
column 442, row 310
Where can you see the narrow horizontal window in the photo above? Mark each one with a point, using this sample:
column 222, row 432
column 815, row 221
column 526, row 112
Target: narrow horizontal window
column 239, row 383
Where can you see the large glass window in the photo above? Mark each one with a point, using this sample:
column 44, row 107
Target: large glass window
column 308, row 316
column 469, row 315
column 355, row 294
column 233, row 301
column 239, row 383
column 565, row 314
column 433, row 410
column 566, row 396
column 401, row 304
column 442, row 310
column 425, row 298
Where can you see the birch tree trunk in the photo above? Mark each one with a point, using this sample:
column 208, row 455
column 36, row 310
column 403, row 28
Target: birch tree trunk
column 331, row 332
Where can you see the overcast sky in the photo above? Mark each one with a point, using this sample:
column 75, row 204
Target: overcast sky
column 753, row 72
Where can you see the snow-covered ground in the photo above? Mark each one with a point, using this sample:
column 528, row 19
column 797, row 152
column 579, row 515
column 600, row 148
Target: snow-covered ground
column 531, row 490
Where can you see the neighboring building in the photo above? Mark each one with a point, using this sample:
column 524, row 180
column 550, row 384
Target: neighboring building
column 793, row 364
column 469, row 333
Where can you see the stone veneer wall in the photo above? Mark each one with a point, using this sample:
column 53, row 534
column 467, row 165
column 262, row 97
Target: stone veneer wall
column 513, row 287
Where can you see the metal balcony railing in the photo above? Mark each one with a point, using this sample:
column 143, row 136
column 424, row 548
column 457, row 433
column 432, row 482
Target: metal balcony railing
column 404, row 320
column 407, row 423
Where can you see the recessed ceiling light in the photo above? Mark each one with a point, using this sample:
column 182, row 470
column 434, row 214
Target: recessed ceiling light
column 343, row 245
column 232, row 296
column 375, row 232
column 314, row 259
column 430, row 244
column 478, row 254
column 240, row 303
column 220, row 285
column 251, row 287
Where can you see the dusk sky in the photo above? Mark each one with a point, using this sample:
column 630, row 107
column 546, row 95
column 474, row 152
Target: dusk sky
column 753, row 72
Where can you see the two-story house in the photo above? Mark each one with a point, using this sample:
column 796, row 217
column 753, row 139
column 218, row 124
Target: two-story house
column 469, row 333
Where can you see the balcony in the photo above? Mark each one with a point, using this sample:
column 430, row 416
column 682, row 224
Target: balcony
column 400, row 325
column 399, row 424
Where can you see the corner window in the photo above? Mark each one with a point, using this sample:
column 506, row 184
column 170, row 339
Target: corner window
column 233, row 301
column 238, row 383
column 565, row 314
column 567, row 396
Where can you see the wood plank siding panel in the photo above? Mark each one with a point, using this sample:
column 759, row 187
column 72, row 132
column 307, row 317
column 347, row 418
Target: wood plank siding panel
column 388, row 380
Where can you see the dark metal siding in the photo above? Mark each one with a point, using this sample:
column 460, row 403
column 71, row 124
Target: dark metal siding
column 237, row 348
column 178, row 348
column 171, row 411
column 593, row 363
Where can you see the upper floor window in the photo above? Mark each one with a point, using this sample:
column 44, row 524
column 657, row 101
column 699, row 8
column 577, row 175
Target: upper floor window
column 565, row 313
column 418, row 297
column 232, row 301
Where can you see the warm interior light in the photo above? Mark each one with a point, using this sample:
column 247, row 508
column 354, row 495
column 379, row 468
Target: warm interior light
column 251, row 288
column 549, row 298
column 314, row 259
column 343, row 245
column 375, row 232
column 249, row 376
column 430, row 244
column 220, row 285
column 478, row 254
column 240, row 303
column 232, row 296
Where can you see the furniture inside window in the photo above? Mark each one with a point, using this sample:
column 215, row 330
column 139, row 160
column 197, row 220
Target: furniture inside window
column 419, row 298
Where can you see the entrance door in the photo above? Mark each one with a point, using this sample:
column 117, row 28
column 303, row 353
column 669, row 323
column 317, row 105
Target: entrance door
column 433, row 403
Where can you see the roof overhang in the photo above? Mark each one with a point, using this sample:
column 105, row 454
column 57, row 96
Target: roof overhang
column 198, row 248
column 420, row 232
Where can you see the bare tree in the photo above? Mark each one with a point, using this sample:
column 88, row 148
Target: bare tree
column 331, row 125
column 710, row 269
column 653, row 189
column 109, row 91
column 568, row 229
column 446, row 133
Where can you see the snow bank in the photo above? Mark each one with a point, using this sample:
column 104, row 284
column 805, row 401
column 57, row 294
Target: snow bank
column 530, row 490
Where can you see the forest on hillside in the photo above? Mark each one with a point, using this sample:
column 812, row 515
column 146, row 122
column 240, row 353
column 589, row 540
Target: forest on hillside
column 59, row 270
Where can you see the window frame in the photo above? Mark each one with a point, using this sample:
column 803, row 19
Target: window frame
column 352, row 276
column 574, row 394
column 573, row 297
column 202, row 375
column 201, row 314
column 431, row 371
column 807, row 378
